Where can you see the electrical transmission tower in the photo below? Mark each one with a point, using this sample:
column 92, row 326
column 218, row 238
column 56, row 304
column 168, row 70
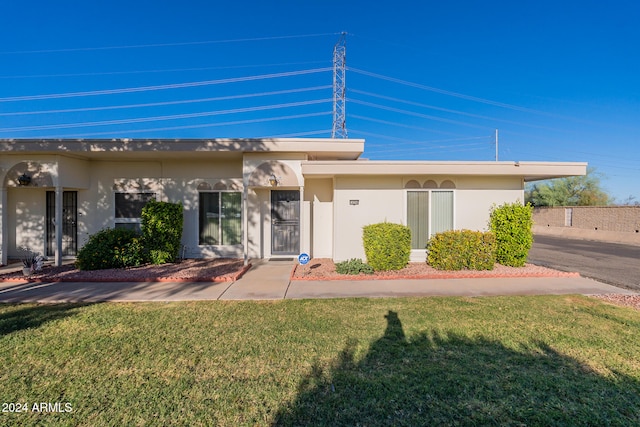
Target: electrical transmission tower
column 339, row 88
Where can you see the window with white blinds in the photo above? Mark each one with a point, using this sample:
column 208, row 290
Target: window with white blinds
column 220, row 218
column 428, row 213
column 441, row 211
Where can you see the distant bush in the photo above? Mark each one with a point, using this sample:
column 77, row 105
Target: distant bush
column 112, row 248
column 511, row 223
column 162, row 224
column 353, row 266
column 462, row 250
column 387, row 245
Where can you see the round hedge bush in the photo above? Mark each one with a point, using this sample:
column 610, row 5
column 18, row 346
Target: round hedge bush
column 387, row 245
column 112, row 248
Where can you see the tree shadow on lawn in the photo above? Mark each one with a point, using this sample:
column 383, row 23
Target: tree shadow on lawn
column 18, row 317
column 449, row 379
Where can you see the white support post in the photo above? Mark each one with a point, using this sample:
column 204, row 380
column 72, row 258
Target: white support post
column 303, row 221
column 4, row 226
column 245, row 225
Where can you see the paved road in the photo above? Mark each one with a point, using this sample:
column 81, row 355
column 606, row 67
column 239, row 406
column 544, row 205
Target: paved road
column 612, row 263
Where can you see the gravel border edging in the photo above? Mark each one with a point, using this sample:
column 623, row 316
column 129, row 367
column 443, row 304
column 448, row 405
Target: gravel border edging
column 217, row 279
column 447, row 275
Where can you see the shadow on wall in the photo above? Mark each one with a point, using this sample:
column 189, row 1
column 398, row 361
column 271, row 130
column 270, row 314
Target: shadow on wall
column 445, row 379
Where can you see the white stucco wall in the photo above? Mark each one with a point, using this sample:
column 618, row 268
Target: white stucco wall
column 172, row 181
column 384, row 199
column 25, row 216
column 379, row 200
column 99, row 204
column 180, row 183
column 476, row 195
column 258, row 220
column 73, row 173
column 318, row 195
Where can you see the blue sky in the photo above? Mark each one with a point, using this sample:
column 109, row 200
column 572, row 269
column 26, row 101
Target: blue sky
column 560, row 80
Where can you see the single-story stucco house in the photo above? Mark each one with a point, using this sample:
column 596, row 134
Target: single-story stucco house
column 251, row 198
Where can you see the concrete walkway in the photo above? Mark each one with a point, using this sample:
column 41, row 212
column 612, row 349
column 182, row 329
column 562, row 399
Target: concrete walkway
column 269, row 280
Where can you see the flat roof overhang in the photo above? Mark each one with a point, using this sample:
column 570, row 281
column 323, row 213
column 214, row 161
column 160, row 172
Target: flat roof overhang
column 103, row 149
column 529, row 171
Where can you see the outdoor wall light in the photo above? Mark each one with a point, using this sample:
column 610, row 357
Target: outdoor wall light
column 24, row 179
column 274, row 181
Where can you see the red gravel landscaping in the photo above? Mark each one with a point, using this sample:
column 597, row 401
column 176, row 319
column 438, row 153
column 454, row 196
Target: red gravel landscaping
column 324, row 269
column 632, row 301
column 191, row 270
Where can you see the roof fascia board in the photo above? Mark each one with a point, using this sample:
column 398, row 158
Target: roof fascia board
column 350, row 147
column 530, row 171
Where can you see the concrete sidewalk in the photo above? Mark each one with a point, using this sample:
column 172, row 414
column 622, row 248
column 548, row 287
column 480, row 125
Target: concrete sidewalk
column 270, row 281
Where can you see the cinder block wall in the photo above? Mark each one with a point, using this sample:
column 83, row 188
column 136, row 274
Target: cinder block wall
column 604, row 218
column 548, row 217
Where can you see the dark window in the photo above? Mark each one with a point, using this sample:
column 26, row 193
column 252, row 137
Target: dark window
column 129, row 205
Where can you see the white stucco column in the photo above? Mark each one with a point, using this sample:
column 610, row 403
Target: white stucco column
column 245, row 225
column 304, row 220
column 4, row 226
column 58, row 228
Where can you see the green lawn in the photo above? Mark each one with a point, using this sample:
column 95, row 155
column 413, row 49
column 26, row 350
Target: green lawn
column 424, row 361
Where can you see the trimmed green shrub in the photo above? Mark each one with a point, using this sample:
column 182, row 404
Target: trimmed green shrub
column 353, row 266
column 387, row 245
column 511, row 223
column 462, row 250
column 162, row 230
column 111, row 248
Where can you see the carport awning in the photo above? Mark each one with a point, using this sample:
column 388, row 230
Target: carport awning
column 529, row 171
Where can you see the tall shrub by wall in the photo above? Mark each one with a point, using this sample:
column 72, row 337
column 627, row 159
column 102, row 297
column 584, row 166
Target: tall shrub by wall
column 162, row 224
column 387, row 245
column 511, row 223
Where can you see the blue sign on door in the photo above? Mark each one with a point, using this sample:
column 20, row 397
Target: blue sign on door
column 303, row 258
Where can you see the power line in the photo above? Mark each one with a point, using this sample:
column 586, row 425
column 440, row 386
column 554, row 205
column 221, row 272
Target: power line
column 161, row 118
column 157, row 104
column 205, row 125
column 460, row 95
column 403, row 125
column 162, row 87
column 424, row 150
column 168, row 70
column 85, row 49
column 448, row 110
column 431, row 149
column 298, row 134
column 407, row 141
column 411, row 113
